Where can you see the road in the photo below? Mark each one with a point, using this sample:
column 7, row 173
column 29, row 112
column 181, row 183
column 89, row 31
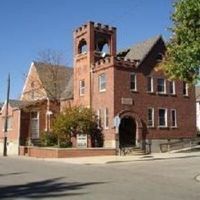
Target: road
column 173, row 179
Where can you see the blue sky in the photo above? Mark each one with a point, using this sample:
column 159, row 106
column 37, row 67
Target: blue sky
column 28, row 27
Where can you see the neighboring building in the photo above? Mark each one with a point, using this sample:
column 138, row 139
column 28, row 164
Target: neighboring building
column 131, row 96
column 198, row 107
column 13, row 126
column 33, row 114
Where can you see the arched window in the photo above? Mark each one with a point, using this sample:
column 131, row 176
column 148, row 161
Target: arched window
column 102, row 46
column 82, row 47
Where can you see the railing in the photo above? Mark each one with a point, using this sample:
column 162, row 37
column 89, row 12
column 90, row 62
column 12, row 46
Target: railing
column 183, row 143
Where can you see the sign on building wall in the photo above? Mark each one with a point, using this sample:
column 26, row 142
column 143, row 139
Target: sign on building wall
column 127, row 101
column 81, row 140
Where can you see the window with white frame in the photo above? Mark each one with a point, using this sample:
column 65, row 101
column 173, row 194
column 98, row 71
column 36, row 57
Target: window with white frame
column 34, row 124
column 161, row 85
column 150, row 117
column 102, row 82
column 133, row 82
column 82, row 87
column 106, row 118
column 185, row 89
column 162, row 117
column 99, row 117
column 173, row 118
column 149, row 84
column 172, row 89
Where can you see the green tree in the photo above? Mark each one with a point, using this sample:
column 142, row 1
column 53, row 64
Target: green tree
column 182, row 60
column 76, row 120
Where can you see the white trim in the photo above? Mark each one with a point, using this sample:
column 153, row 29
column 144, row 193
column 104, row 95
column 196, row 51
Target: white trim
column 81, row 88
column 166, row 118
column 162, row 92
column 151, row 82
column 173, row 87
column 26, row 81
column 38, row 120
column 175, row 118
column 100, row 82
column 99, row 117
column 152, row 115
column 106, row 116
column 186, row 89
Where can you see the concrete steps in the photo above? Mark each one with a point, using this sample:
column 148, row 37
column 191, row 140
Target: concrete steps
column 131, row 151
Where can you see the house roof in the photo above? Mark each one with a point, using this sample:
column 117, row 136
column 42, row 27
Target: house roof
column 55, row 78
column 140, row 50
column 197, row 91
column 68, row 92
column 14, row 103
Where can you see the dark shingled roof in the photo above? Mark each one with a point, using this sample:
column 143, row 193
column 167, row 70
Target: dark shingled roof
column 197, row 91
column 68, row 92
column 18, row 103
column 140, row 50
column 55, row 78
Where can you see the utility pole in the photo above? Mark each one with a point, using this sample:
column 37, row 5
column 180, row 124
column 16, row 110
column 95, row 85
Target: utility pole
column 6, row 119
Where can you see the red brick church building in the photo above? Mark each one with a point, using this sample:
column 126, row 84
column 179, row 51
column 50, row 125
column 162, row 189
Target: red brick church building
column 133, row 99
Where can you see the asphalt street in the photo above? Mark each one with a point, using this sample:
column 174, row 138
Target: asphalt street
column 175, row 179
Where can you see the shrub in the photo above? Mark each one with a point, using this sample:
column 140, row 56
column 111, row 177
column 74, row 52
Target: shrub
column 48, row 139
column 76, row 120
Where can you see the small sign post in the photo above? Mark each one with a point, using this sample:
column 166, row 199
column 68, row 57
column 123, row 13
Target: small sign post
column 82, row 140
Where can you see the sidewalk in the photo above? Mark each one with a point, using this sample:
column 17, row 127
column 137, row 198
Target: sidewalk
column 119, row 159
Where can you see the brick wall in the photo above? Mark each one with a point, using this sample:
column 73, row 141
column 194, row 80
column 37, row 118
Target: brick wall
column 39, row 152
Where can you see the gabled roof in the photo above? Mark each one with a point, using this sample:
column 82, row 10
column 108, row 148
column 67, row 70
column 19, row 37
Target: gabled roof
column 197, row 91
column 140, row 50
column 54, row 78
column 14, row 103
column 68, row 92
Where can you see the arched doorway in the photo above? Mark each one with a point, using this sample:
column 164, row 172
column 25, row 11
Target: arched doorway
column 127, row 132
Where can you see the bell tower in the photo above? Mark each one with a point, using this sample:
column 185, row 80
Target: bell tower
column 92, row 42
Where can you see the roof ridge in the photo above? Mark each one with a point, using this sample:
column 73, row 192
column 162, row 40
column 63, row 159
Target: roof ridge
column 39, row 63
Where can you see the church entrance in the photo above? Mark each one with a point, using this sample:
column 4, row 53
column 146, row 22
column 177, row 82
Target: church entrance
column 127, row 132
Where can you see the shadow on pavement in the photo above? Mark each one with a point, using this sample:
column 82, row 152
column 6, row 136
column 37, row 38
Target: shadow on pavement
column 43, row 189
column 13, row 173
